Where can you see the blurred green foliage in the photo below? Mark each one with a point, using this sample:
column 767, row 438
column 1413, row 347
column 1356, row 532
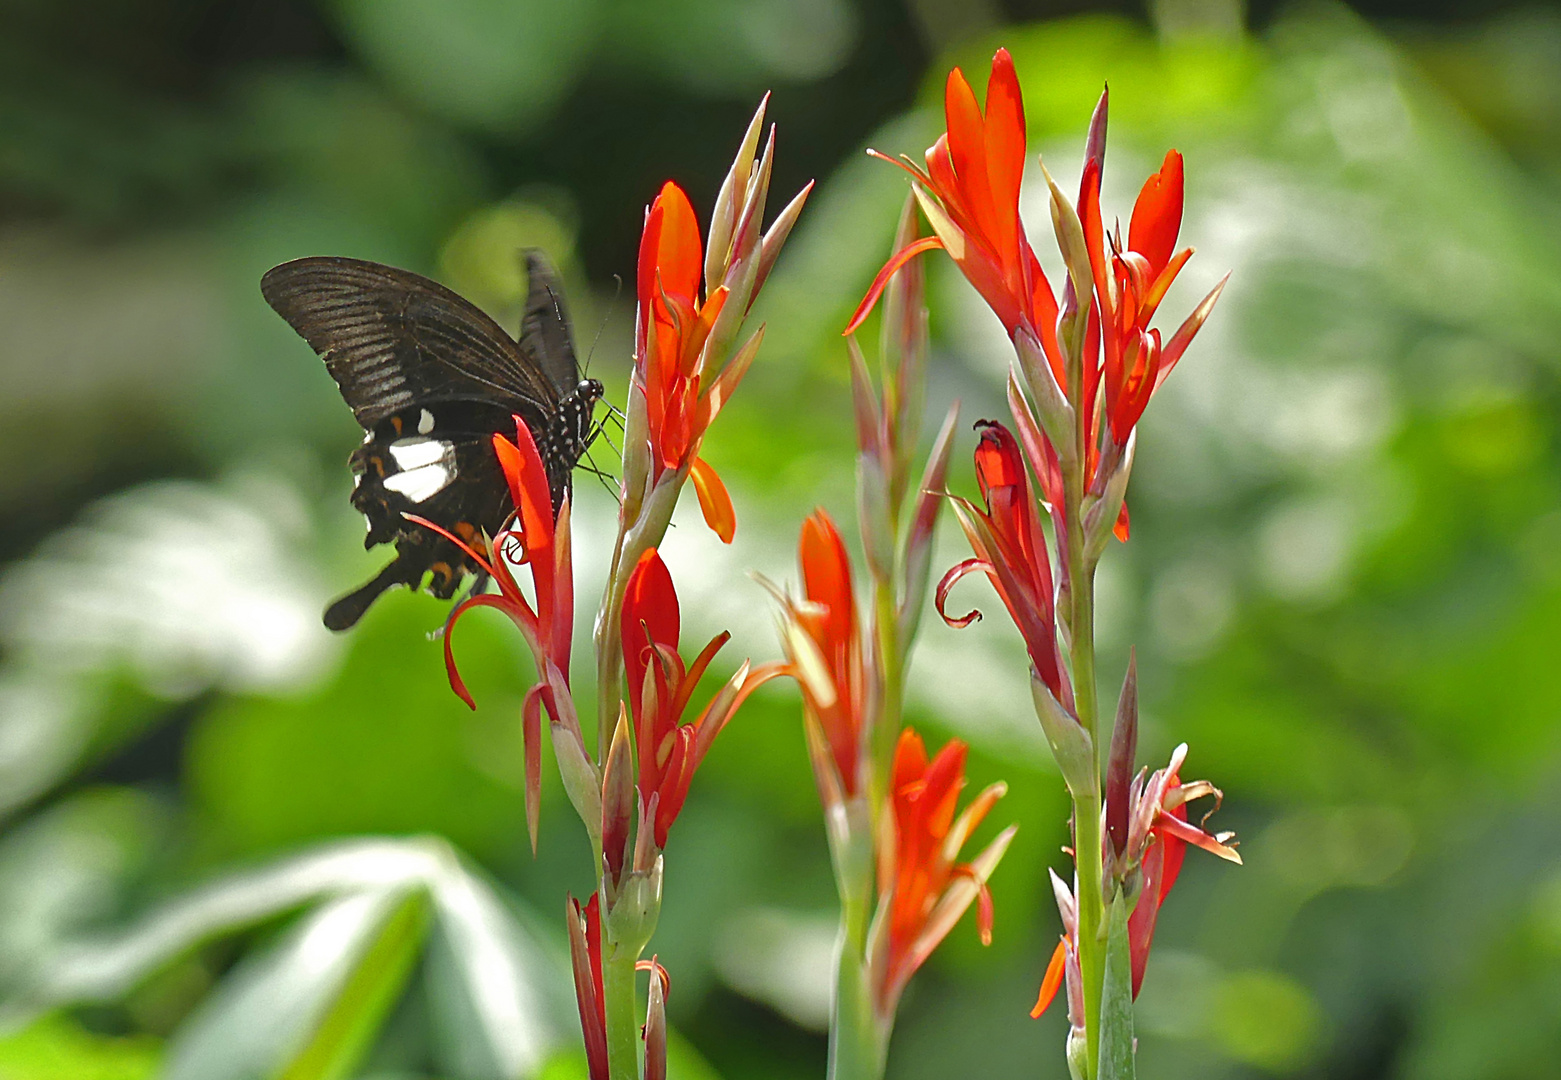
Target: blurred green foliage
column 234, row 846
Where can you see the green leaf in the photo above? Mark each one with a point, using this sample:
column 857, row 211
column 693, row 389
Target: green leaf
column 348, row 1027
column 56, row 1048
column 1116, row 999
column 274, row 1003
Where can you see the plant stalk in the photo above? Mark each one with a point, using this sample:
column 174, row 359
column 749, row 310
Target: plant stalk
column 623, row 1015
column 1080, row 614
column 1086, row 804
column 891, row 689
column 858, row 1038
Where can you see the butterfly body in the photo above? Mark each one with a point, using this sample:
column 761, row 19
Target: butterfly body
column 431, row 379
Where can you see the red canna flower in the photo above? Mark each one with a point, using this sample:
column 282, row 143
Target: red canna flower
column 1010, row 549
column 682, row 375
column 970, row 195
column 1157, row 839
column 585, row 954
column 822, row 633
column 659, row 690
column 673, row 328
column 1130, row 284
column 1158, row 833
column 922, row 889
column 542, row 544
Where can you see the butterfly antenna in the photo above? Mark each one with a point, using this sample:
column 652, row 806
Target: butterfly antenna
column 616, row 293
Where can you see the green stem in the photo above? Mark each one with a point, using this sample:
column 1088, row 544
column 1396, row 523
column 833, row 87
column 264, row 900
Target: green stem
column 858, row 1039
column 634, row 538
column 887, row 719
column 1080, row 614
column 1086, row 805
column 623, row 1014
column 608, row 651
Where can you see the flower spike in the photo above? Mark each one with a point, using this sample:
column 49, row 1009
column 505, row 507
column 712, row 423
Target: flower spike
column 660, row 686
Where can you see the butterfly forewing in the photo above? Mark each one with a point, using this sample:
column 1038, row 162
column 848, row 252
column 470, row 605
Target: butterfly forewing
column 391, row 338
column 544, row 328
column 431, row 379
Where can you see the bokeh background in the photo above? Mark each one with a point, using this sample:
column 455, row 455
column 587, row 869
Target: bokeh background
column 234, row 845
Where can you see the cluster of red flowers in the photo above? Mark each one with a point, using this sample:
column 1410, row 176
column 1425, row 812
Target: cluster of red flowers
column 1099, row 335
column 660, row 686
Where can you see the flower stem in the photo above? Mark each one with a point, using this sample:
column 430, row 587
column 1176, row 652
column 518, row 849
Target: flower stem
column 1080, row 614
column 858, row 1040
column 623, row 1015
column 1086, row 804
column 609, row 650
column 891, row 688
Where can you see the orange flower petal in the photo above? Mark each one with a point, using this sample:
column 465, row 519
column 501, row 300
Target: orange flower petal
column 713, row 500
column 967, row 151
column 1157, row 215
column 679, row 252
column 649, row 603
column 1005, row 152
column 826, row 578
column 1052, row 980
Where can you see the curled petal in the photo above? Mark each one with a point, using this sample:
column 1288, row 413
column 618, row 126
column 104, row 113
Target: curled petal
column 522, row 618
column 488, row 567
column 940, row 597
column 653, row 965
column 897, row 260
column 1181, row 830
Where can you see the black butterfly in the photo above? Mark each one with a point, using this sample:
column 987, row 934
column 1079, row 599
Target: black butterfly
column 431, row 379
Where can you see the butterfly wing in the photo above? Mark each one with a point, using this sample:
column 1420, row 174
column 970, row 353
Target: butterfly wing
column 544, row 328
column 431, row 379
column 450, row 477
column 392, row 339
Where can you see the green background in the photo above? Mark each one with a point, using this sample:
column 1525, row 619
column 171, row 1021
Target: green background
column 236, row 846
